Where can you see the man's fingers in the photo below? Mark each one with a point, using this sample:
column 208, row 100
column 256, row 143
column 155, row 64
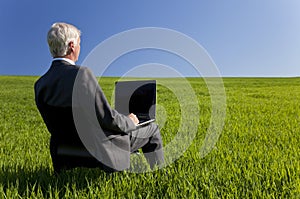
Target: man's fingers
column 133, row 118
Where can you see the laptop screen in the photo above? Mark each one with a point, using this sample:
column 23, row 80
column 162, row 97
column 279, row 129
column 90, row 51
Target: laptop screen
column 138, row 97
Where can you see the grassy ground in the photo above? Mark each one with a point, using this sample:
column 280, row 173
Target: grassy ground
column 256, row 156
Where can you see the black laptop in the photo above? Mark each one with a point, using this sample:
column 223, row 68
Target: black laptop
column 138, row 97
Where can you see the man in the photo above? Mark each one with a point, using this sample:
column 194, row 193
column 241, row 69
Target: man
column 65, row 110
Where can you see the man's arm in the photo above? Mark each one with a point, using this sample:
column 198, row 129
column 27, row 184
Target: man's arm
column 108, row 118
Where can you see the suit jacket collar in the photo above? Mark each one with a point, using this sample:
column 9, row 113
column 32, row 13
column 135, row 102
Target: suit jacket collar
column 60, row 62
column 71, row 62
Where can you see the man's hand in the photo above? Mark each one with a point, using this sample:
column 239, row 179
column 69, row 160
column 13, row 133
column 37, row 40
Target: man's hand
column 134, row 118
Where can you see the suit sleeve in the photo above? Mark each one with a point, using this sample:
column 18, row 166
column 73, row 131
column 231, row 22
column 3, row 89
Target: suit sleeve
column 108, row 118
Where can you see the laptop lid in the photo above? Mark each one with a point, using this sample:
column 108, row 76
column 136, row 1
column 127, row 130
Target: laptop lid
column 138, row 97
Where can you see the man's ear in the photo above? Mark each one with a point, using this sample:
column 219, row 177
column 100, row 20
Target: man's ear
column 71, row 48
column 71, row 45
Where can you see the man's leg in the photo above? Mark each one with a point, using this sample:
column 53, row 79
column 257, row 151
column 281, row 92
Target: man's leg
column 148, row 138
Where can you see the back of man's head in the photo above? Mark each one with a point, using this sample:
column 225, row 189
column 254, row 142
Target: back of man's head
column 59, row 36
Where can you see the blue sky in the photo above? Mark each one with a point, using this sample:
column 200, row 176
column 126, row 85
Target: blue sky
column 244, row 38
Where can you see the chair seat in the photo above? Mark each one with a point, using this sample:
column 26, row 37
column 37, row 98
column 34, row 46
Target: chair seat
column 67, row 150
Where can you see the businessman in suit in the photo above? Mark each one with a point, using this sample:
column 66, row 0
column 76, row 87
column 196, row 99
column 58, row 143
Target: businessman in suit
column 111, row 137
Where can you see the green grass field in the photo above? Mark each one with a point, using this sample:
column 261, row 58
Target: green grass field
column 257, row 154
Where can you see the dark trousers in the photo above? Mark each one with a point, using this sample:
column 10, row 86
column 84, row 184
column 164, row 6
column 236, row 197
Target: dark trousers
column 148, row 138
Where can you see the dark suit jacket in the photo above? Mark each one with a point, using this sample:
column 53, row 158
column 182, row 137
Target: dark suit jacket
column 75, row 111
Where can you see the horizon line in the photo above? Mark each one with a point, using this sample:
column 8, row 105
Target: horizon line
column 110, row 76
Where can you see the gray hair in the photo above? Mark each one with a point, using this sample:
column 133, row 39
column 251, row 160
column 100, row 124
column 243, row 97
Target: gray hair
column 59, row 37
